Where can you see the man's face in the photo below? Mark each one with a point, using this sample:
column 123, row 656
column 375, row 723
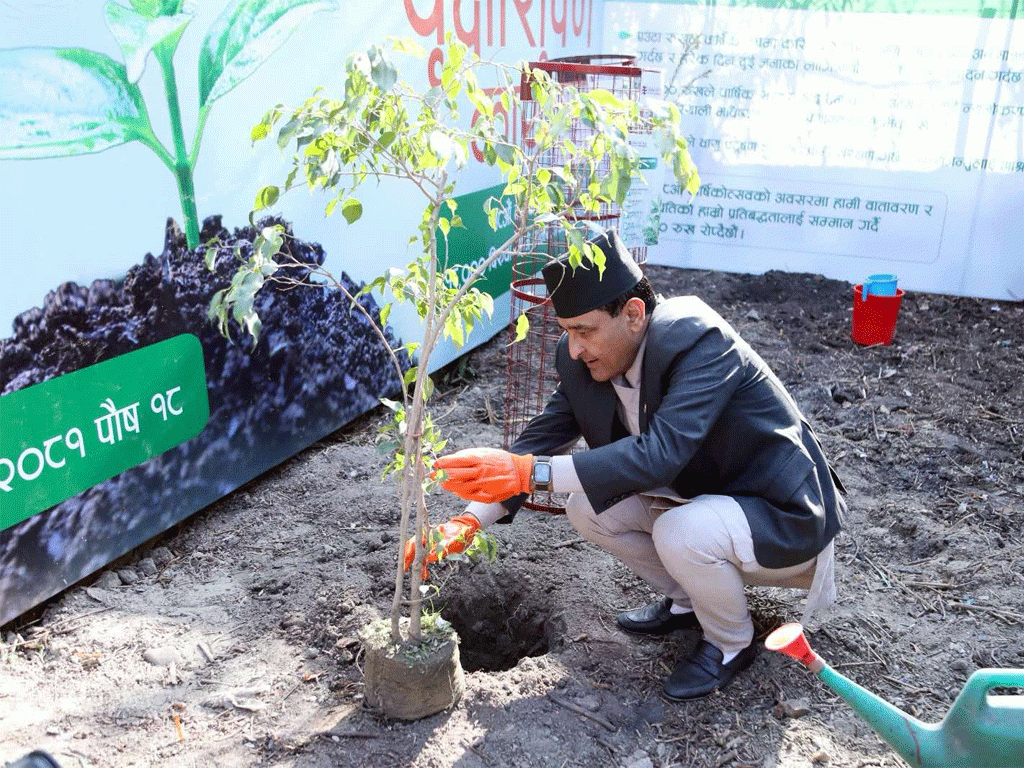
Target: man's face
column 606, row 344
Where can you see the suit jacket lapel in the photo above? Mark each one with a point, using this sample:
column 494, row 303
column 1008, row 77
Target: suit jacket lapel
column 604, row 401
column 650, row 392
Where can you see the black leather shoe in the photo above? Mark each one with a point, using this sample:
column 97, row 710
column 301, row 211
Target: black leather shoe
column 656, row 619
column 703, row 672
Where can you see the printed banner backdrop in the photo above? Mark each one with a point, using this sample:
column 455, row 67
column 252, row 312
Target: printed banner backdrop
column 883, row 137
column 105, row 350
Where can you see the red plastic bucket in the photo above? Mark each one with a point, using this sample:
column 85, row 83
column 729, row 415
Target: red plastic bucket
column 874, row 317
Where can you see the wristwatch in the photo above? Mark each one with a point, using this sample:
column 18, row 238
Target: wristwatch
column 542, row 474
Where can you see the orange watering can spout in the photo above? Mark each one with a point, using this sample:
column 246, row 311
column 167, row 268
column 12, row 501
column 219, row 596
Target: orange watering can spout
column 789, row 639
column 981, row 730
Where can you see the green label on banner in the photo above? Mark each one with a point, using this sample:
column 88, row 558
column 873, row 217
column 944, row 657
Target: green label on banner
column 69, row 433
column 470, row 247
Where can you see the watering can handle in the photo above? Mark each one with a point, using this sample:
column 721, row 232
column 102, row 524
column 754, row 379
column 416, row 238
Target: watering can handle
column 974, row 695
column 992, row 678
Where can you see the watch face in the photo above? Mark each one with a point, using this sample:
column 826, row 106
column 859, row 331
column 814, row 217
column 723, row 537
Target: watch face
column 542, row 475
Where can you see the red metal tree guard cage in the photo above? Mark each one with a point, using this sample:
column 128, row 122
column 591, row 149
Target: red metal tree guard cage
column 531, row 376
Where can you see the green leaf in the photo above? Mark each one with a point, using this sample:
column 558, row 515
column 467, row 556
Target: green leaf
column 454, row 329
column 522, row 327
column 287, row 131
column 254, row 325
column 58, row 102
column 408, row 45
column 351, row 209
column 480, row 100
column 597, row 257
column 216, row 310
column 267, row 246
column 432, row 97
column 266, row 197
column 428, row 387
column 506, row 152
column 138, row 33
column 241, row 298
column 244, row 35
column 605, row 98
column 576, row 242
column 487, row 303
column 617, row 184
column 685, row 171
column 382, row 71
column 456, row 54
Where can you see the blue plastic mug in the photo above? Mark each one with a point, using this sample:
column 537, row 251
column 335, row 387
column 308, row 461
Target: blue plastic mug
column 879, row 285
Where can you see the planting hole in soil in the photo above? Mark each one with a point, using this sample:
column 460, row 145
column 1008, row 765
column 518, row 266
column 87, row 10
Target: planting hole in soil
column 499, row 623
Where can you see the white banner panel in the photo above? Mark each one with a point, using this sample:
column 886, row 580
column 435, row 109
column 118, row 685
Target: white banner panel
column 844, row 142
column 93, row 216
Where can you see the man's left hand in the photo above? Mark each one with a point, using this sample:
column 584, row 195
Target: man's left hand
column 486, row 474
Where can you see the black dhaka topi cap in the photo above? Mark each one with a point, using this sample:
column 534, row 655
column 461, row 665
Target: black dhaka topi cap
column 574, row 292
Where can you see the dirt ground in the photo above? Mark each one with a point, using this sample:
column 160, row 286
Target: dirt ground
column 232, row 640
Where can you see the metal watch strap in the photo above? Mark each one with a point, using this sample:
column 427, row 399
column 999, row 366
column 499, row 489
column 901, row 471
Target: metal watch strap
column 542, row 474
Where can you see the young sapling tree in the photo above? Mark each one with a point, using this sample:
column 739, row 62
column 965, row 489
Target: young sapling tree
column 382, row 130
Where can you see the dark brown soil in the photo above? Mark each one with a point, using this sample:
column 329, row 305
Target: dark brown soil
column 253, row 613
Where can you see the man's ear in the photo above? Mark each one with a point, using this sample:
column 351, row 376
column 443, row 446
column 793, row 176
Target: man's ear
column 636, row 311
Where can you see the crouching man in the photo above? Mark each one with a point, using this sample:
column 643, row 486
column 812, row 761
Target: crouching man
column 701, row 474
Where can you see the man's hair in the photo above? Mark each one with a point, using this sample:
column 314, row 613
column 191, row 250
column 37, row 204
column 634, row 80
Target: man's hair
column 641, row 290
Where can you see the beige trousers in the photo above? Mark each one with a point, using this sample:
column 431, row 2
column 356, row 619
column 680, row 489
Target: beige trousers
column 700, row 554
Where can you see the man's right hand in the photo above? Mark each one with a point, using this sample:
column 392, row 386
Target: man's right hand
column 452, row 537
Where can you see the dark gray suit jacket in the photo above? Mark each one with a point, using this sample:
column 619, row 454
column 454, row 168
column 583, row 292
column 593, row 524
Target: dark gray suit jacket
column 713, row 419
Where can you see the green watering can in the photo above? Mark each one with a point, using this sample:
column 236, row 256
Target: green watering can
column 981, row 730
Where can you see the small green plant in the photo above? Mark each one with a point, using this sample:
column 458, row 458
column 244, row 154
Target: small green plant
column 58, row 102
column 435, row 632
column 380, row 129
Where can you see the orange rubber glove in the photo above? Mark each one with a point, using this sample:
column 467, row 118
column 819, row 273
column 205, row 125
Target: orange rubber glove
column 410, row 555
column 455, row 536
column 486, row 474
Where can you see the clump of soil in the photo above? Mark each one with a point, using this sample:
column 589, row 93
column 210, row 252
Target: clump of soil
column 410, row 681
column 241, row 648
